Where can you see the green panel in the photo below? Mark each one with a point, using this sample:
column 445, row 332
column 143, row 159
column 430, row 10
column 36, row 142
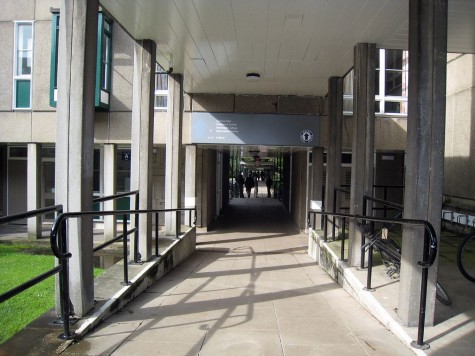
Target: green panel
column 54, row 59
column 123, row 204
column 23, row 94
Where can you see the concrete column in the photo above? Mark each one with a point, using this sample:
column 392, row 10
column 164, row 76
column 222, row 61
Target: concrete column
column 190, row 180
column 317, row 181
column 75, row 140
column 362, row 161
column 173, row 154
column 334, row 150
column 425, row 148
column 34, row 178
column 142, row 138
column 110, row 188
column 200, row 187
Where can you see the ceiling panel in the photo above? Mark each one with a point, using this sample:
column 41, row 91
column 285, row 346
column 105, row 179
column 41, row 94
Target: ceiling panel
column 294, row 44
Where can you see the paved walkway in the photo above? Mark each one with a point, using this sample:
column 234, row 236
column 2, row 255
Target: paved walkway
column 250, row 289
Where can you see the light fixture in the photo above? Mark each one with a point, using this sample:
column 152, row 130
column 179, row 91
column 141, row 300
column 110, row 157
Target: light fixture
column 253, row 77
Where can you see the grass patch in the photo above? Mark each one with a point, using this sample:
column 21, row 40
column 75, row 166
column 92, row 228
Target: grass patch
column 18, row 264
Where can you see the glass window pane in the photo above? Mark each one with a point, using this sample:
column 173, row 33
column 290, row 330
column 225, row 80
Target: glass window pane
column 25, row 37
column 395, row 107
column 393, row 59
column 393, row 83
column 348, row 105
column 161, row 82
column 22, row 94
column 160, row 101
column 24, row 63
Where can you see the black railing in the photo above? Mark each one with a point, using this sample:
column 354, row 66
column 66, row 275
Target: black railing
column 59, row 232
column 58, row 250
column 58, row 243
column 428, row 258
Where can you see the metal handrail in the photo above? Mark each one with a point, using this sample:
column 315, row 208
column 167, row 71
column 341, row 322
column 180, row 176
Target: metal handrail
column 428, row 259
column 115, row 196
column 58, row 232
column 60, row 268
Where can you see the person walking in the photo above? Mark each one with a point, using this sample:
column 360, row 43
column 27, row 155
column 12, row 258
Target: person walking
column 256, row 184
column 240, row 183
column 249, row 184
column 268, row 185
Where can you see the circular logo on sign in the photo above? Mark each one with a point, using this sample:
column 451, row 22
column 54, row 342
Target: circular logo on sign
column 306, row 136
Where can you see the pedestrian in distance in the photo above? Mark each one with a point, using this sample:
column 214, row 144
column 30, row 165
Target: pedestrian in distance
column 268, row 185
column 249, row 183
column 240, row 183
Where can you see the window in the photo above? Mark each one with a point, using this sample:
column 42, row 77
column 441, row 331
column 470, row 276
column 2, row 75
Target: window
column 161, row 88
column 23, row 65
column 348, row 93
column 391, row 81
column 103, row 62
column 53, row 95
column 391, row 84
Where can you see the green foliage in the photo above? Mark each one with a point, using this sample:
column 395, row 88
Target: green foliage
column 18, row 264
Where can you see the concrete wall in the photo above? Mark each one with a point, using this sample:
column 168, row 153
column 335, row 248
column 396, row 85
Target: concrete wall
column 460, row 131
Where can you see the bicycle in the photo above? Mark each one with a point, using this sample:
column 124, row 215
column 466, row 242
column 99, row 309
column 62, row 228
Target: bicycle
column 466, row 257
column 390, row 252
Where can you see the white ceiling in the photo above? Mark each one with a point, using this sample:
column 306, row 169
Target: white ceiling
column 295, row 45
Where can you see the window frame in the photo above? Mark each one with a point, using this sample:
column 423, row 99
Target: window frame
column 158, row 92
column 101, row 94
column 53, row 79
column 103, row 62
column 380, row 96
column 22, row 77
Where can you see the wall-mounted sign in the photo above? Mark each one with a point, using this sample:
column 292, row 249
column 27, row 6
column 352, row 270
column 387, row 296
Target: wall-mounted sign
column 126, row 156
column 255, row 129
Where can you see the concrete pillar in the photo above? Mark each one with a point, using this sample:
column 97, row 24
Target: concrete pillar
column 34, row 189
column 362, row 161
column 200, row 187
column 190, row 181
column 316, row 192
column 173, row 154
column 75, row 140
column 110, row 188
column 425, row 148
column 334, row 150
column 142, row 138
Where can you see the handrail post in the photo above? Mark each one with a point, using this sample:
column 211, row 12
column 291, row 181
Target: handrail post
column 335, row 192
column 325, row 228
column 343, row 236
column 370, row 269
column 362, row 264
column 177, row 223
column 124, row 248
column 136, row 234
column 64, row 285
column 156, row 234
column 420, row 344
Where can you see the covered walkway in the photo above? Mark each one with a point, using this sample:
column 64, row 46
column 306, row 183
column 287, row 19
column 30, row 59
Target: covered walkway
column 249, row 289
